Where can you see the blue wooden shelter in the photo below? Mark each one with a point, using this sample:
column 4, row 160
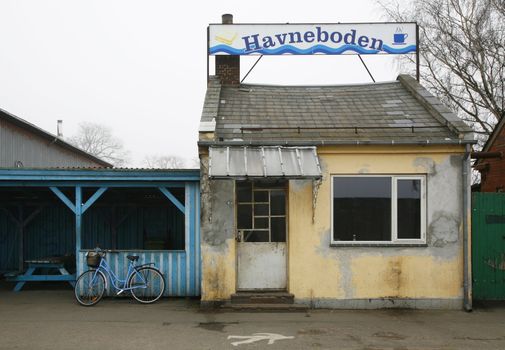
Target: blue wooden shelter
column 150, row 213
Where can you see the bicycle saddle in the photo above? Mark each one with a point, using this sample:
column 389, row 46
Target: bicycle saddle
column 132, row 257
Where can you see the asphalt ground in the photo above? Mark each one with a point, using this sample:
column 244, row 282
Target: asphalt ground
column 45, row 316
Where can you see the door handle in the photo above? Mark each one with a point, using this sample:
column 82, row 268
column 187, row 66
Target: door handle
column 238, row 236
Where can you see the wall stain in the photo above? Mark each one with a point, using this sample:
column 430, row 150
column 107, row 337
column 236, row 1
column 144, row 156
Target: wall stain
column 393, row 274
column 443, row 229
column 427, row 164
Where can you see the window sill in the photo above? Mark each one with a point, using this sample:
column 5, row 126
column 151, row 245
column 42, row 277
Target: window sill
column 375, row 245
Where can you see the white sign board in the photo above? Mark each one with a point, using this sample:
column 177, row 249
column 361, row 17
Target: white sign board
column 311, row 39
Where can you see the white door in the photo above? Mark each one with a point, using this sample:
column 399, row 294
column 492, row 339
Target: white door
column 261, row 236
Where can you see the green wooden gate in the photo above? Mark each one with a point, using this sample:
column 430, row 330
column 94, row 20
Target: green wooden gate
column 488, row 246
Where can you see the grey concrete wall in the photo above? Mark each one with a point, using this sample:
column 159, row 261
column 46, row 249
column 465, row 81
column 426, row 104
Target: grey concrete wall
column 217, row 236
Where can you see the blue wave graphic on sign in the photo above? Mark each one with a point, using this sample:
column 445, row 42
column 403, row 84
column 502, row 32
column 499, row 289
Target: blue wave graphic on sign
column 288, row 49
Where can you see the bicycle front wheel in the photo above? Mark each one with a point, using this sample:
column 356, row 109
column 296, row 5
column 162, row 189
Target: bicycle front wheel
column 89, row 288
column 147, row 285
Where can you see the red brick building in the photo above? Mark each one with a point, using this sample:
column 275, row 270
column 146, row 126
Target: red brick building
column 492, row 170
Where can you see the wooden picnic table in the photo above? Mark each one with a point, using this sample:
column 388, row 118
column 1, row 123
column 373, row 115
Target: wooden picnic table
column 49, row 264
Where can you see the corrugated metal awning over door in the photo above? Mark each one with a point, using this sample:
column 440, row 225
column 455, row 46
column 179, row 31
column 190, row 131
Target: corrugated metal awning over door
column 276, row 161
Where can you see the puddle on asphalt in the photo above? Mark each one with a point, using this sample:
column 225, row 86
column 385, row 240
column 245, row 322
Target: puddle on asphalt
column 313, row 331
column 389, row 335
column 215, row 326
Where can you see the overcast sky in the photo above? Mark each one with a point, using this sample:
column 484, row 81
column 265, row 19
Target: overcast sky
column 139, row 67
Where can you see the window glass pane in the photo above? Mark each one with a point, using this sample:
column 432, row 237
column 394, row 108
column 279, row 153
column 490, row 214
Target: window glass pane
column 362, row 208
column 278, row 229
column 277, row 203
column 244, row 216
column 256, row 236
column 261, row 209
column 261, row 223
column 261, row 196
column 244, row 191
column 409, row 209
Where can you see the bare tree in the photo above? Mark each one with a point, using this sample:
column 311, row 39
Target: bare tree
column 164, row 162
column 99, row 141
column 462, row 49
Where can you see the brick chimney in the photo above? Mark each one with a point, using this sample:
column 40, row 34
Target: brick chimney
column 228, row 66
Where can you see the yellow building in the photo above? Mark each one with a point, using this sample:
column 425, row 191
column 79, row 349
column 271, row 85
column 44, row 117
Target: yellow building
column 345, row 196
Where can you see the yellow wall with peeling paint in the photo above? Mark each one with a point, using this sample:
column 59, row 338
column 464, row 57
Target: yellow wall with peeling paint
column 218, row 272
column 317, row 270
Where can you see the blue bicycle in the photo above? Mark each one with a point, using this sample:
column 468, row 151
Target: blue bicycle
column 145, row 283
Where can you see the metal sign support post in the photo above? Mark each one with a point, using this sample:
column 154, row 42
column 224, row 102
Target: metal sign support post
column 417, row 53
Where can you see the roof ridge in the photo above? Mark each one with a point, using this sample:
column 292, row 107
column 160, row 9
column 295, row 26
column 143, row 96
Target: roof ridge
column 321, row 85
column 435, row 107
column 210, row 106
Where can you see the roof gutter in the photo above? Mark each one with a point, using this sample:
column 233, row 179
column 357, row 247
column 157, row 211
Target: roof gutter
column 335, row 142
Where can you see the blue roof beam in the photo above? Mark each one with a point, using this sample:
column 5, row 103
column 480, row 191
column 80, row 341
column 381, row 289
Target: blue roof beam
column 64, row 199
column 93, row 199
column 173, row 199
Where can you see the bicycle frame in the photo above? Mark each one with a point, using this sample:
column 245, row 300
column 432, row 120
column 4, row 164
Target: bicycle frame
column 116, row 282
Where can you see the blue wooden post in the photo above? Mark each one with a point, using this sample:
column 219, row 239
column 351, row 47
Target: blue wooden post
column 188, row 233
column 78, row 219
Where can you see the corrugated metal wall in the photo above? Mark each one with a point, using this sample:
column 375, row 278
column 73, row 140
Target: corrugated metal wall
column 8, row 244
column 50, row 233
column 181, row 269
column 17, row 144
column 171, row 264
column 140, row 225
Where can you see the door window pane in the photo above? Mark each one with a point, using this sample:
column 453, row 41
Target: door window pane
column 244, row 191
column 260, row 209
column 261, row 196
column 244, row 216
column 261, row 223
column 409, row 208
column 278, row 229
column 256, row 236
column 277, row 203
column 362, row 208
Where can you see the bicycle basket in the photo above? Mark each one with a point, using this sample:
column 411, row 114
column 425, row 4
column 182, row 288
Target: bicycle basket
column 93, row 259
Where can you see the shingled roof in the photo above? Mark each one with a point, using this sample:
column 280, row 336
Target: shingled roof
column 401, row 111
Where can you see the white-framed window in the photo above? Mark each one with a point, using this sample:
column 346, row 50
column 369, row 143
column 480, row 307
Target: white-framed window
column 378, row 209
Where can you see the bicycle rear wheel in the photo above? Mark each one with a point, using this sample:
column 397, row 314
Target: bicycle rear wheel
column 89, row 288
column 147, row 285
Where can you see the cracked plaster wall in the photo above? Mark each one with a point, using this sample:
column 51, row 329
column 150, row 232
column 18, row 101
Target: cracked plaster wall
column 319, row 272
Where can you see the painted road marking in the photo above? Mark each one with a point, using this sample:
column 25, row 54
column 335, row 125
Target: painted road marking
column 248, row 339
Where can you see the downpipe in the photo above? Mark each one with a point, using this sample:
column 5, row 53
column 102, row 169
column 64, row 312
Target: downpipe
column 467, row 215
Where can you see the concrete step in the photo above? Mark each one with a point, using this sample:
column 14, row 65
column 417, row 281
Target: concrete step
column 257, row 307
column 262, row 298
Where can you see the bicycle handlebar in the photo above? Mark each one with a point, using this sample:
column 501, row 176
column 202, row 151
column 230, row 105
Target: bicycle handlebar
column 103, row 252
